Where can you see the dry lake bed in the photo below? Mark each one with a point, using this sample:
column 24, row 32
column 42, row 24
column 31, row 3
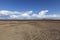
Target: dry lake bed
column 30, row 30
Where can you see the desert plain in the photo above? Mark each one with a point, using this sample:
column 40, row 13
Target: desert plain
column 30, row 30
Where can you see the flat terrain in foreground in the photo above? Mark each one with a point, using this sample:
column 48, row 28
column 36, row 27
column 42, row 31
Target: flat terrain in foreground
column 30, row 30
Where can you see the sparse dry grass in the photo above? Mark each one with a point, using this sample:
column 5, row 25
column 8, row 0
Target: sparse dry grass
column 29, row 30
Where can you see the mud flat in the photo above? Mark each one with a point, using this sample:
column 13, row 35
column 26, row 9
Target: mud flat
column 30, row 30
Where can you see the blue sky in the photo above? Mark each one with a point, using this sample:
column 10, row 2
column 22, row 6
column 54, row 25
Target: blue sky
column 33, row 6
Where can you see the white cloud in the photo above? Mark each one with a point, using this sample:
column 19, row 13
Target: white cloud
column 13, row 16
column 4, row 12
column 27, row 15
column 43, row 12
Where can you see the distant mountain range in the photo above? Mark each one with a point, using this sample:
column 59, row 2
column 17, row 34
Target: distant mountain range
column 26, row 19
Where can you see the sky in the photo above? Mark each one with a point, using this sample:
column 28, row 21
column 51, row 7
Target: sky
column 29, row 9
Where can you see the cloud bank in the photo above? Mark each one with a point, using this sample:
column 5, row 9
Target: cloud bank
column 5, row 14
